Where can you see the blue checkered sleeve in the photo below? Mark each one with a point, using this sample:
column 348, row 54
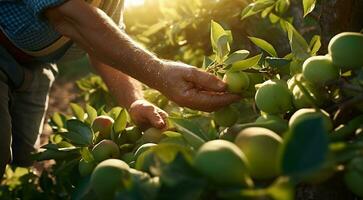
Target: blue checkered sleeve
column 38, row 6
column 21, row 21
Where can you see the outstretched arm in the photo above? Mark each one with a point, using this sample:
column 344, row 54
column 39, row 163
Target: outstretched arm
column 128, row 93
column 101, row 38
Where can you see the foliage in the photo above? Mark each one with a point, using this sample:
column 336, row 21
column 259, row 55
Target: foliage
column 167, row 170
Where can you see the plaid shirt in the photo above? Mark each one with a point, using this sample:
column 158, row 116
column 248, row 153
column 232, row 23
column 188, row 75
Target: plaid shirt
column 24, row 25
column 21, row 21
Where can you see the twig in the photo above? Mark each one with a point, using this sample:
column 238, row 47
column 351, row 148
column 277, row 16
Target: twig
column 346, row 105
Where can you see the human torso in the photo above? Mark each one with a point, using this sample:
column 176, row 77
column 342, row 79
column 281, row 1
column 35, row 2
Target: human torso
column 23, row 28
column 31, row 33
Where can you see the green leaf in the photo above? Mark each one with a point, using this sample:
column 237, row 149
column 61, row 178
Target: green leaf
column 91, row 114
column 223, row 47
column 298, row 44
column 217, row 32
column 181, row 180
column 114, row 112
column 206, row 62
column 58, row 119
column 50, row 146
column 59, row 154
column 82, row 189
column 245, row 64
column 315, row 45
column 229, row 36
column 167, row 152
column 86, row 154
column 277, row 62
column 76, row 139
column 248, row 11
column 282, row 6
column 273, row 18
column 305, row 148
column 267, row 11
column 264, row 45
column 191, row 132
column 120, row 122
column 282, row 189
column 77, row 111
column 236, row 56
column 78, row 133
column 256, row 7
column 309, row 6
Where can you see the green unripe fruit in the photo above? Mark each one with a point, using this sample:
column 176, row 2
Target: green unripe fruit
column 236, row 81
column 225, row 117
column 353, row 177
column 223, row 163
column 272, row 122
column 103, row 125
column 265, row 118
column 128, row 157
column 261, row 147
column 346, row 50
column 142, row 149
column 308, row 113
column 107, row 178
column 105, row 149
column 320, row 70
column 152, row 135
column 300, row 94
column 85, row 168
column 145, row 160
column 133, row 134
column 295, row 67
column 274, row 97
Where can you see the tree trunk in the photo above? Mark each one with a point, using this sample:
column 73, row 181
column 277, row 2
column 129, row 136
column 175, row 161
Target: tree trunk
column 339, row 16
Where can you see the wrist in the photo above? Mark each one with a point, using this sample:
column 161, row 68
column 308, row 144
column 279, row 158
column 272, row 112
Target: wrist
column 154, row 73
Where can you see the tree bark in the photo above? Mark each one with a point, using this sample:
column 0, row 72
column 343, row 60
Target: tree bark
column 339, row 16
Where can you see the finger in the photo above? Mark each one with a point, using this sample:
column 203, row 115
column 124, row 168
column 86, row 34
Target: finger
column 163, row 114
column 209, row 101
column 206, row 81
column 155, row 119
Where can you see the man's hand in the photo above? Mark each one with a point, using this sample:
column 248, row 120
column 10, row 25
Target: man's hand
column 128, row 93
column 145, row 114
column 193, row 88
column 102, row 39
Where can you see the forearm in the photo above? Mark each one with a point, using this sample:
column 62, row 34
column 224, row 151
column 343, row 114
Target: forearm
column 101, row 38
column 124, row 89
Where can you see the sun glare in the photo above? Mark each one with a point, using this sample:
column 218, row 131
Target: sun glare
column 129, row 3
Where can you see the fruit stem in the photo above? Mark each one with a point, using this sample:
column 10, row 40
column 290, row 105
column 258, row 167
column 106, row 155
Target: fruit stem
column 306, row 93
